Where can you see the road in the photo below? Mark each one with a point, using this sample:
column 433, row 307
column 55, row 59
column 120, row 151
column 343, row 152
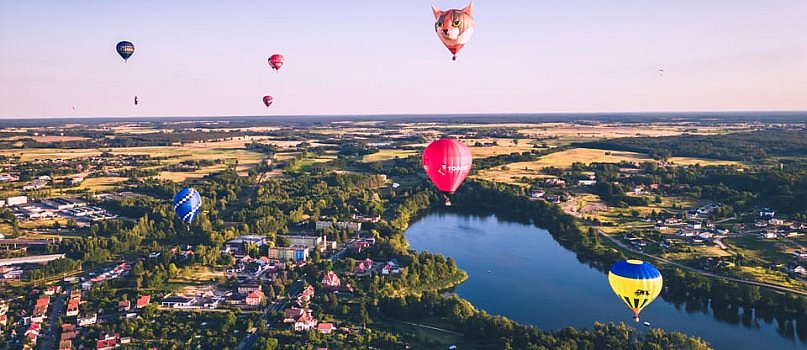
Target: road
column 431, row 327
column 49, row 340
column 684, row 267
column 251, row 339
column 338, row 254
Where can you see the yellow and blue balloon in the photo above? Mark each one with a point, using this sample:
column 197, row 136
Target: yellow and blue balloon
column 187, row 203
column 636, row 282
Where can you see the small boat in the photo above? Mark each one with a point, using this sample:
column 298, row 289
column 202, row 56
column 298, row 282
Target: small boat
column 489, row 271
column 646, row 323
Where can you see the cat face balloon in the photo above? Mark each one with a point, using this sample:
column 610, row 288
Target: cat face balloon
column 454, row 27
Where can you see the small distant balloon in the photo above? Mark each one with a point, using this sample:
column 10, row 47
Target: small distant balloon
column 125, row 50
column 276, row 61
column 454, row 27
column 267, row 100
column 187, row 203
column 135, row 100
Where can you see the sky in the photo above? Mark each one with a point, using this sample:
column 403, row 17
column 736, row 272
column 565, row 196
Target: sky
column 208, row 58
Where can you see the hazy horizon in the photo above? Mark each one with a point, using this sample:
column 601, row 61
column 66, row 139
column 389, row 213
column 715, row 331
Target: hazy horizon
column 208, row 58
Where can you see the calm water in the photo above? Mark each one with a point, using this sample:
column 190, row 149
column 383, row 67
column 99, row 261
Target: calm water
column 519, row 271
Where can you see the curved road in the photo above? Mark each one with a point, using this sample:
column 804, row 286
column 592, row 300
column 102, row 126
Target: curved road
column 684, row 267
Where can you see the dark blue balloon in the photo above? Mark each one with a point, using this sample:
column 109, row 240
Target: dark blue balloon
column 125, row 49
column 187, row 203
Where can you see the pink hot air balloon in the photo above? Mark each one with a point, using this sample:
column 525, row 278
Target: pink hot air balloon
column 267, row 100
column 447, row 162
column 276, row 61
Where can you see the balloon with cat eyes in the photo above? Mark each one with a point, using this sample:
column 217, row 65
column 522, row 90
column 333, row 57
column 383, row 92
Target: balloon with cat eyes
column 454, row 27
column 276, row 61
column 267, row 100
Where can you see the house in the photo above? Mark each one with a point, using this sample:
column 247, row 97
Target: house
column 142, row 301
column 325, row 328
column 687, row 233
column 305, row 295
column 693, row 225
column 586, row 182
column 800, row 270
column 363, row 267
column 305, row 322
column 671, row 220
column 178, row 302
column 106, row 343
column 248, row 287
column 776, row 222
column 331, row 280
column 537, row 195
column 51, row 290
column 87, row 320
column 800, row 255
column 33, row 332
column 391, row 268
column 292, row 314
column 73, row 180
column 238, row 245
column 766, row 213
column 361, row 245
column 66, row 345
column 768, row 234
column 237, row 299
column 124, row 305
column 35, row 185
column 72, row 308
column 255, row 298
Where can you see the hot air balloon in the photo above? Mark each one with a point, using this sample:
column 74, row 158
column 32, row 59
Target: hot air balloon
column 636, row 282
column 447, row 162
column 187, row 203
column 276, row 61
column 125, row 49
column 267, row 100
column 454, row 27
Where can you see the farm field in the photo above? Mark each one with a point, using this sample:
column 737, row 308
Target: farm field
column 564, row 160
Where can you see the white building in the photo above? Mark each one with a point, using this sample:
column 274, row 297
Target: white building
column 16, row 200
column 342, row 225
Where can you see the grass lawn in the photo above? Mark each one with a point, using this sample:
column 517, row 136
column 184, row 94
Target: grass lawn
column 101, row 184
column 768, row 250
column 564, row 160
column 426, row 338
column 387, row 154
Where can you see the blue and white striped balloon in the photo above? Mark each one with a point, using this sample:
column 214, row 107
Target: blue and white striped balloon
column 187, row 203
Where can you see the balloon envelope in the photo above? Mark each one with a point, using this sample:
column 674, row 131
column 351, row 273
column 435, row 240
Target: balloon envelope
column 636, row 283
column 187, row 203
column 267, row 100
column 447, row 162
column 125, row 49
column 454, row 27
column 276, row 61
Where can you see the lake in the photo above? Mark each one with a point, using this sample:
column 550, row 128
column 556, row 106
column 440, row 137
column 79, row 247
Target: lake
column 519, row 271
